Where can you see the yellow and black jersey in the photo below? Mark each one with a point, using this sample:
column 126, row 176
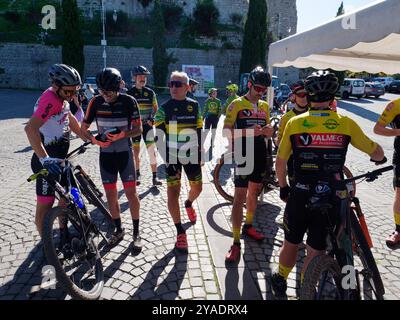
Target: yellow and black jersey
column 391, row 115
column 147, row 101
column 242, row 114
column 181, row 121
column 319, row 140
column 284, row 120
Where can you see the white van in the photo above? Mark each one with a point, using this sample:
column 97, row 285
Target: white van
column 352, row 88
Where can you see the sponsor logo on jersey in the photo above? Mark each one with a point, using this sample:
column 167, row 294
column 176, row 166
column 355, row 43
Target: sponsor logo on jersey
column 322, row 140
column 307, row 124
column 190, row 108
column 146, row 94
column 247, row 113
column 331, row 124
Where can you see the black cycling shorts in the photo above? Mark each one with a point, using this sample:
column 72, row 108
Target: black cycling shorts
column 43, row 189
column 396, row 164
column 298, row 220
column 147, row 134
column 112, row 163
column 259, row 168
column 174, row 173
column 211, row 122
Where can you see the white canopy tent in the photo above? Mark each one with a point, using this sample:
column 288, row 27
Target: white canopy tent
column 364, row 40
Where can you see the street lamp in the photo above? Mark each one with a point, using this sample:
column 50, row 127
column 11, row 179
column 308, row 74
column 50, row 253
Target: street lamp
column 103, row 41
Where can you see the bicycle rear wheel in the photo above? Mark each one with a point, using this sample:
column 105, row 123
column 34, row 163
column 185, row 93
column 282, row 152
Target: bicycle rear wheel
column 322, row 280
column 372, row 279
column 224, row 176
column 77, row 263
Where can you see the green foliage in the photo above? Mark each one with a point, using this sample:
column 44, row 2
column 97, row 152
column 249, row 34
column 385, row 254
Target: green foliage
column 161, row 59
column 255, row 36
column 172, row 14
column 206, row 17
column 72, row 46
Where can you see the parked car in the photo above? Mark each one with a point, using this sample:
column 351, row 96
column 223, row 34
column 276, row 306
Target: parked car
column 394, row 87
column 375, row 89
column 283, row 93
column 386, row 81
column 352, row 88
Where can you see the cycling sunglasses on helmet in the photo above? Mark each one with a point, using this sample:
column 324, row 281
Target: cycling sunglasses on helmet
column 176, row 84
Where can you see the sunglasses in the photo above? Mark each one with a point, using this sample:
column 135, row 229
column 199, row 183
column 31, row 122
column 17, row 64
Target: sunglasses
column 176, row 84
column 70, row 92
column 301, row 95
column 260, row 89
column 106, row 93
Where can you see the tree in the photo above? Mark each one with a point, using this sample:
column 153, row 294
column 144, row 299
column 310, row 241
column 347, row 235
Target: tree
column 161, row 59
column 206, row 16
column 72, row 45
column 340, row 11
column 255, row 36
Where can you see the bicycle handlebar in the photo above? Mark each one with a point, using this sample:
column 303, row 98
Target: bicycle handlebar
column 370, row 176
column 80, row 149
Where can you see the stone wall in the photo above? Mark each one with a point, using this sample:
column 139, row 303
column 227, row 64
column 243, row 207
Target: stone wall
column 25, row 66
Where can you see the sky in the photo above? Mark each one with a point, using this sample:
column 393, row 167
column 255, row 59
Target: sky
column 312, row 13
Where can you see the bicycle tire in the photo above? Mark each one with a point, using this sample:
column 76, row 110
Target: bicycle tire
column 315, row 269
column 217, row 170
column 50, row 251
column 91, row 195
column 366, row 255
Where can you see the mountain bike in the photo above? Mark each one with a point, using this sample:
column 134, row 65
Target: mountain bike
column 224, row 175
column 336, row 275
column 70, row 236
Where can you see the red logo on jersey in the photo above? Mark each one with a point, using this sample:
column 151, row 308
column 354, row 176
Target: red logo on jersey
column 323, row 140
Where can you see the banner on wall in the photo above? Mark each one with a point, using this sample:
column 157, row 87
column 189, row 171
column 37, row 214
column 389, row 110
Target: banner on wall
column 204, row 75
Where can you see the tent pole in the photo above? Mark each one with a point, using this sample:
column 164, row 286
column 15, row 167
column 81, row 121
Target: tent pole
column 270, row 91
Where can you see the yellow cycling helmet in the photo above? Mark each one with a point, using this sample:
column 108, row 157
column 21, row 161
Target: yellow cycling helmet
column 232, row 87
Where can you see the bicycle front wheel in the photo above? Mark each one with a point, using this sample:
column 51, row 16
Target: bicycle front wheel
column 75, row 258
column 322, row 280
column 372, row 281
column 224, row 176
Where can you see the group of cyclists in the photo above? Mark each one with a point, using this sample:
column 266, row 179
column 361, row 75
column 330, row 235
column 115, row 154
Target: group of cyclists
column 312, row 138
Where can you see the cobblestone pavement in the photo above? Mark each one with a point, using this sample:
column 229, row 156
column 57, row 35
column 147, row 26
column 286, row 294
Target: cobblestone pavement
column 157, row 272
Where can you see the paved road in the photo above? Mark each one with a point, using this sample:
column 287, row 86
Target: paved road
column 157, row 273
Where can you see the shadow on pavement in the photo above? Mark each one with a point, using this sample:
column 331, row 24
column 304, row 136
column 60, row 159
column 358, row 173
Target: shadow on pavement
column 212, row 222
column 27, row 280
column 26, row 149
column 362, row 112
column 169, row 288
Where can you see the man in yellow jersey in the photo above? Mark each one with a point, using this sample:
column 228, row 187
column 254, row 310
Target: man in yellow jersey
column 318, row 140
column 300, row 106
column 247, row 118
column 147, row 101
column 391, row 116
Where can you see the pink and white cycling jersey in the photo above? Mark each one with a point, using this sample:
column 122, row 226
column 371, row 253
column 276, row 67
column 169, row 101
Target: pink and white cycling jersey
column 54, row 112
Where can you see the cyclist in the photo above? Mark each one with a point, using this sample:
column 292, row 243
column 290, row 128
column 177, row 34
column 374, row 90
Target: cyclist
column 211, row 113
column 48, row 132
column 318, row 140
column 118, row 119
column 232, row 90
column 148, row 105
column 247, row 118
column 192, row 88
column 179, row 119
column 391, row 116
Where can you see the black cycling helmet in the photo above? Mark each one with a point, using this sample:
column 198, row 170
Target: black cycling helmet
column 321, row 86
column 140, row 70
column 259, row 77
column 109, row 79
column 64, row 75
